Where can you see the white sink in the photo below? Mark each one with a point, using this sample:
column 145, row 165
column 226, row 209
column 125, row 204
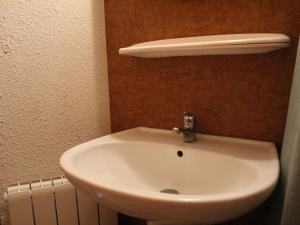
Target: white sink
column 218, row 178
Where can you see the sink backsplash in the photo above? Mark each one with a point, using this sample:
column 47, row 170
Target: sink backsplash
column 242, row 96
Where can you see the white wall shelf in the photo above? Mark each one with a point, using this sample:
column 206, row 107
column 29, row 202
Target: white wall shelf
column 227, row 44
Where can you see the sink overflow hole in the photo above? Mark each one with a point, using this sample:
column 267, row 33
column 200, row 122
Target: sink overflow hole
column 180, row 153
column 170, row 191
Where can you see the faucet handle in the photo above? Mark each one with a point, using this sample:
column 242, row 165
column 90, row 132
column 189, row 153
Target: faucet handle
column 176, row 130
column 189, row 121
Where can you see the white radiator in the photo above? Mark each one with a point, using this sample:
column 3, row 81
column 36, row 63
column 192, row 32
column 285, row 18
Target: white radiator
column 54, row 202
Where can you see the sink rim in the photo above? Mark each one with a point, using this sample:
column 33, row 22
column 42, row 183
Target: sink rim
column 68, row 167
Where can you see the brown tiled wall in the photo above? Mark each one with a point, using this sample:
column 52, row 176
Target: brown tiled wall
column 242, row 96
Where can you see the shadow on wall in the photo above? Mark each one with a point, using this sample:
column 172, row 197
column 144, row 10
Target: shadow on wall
column 100, row 57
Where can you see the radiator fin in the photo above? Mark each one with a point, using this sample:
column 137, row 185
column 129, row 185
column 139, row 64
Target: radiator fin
column 88, row 210
column 108, row 216
column 20, row 206
column 66, row 204
column 43, row 203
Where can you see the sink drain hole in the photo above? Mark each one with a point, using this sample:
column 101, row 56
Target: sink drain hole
column 180, row 153
column 170, row 191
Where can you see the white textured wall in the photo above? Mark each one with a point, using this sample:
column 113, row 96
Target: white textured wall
column 53, row 83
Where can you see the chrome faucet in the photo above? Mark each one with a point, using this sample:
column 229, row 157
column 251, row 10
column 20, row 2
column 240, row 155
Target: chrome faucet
column 189, row 129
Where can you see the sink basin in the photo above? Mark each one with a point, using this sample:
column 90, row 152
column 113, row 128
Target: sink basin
column 154, row 175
